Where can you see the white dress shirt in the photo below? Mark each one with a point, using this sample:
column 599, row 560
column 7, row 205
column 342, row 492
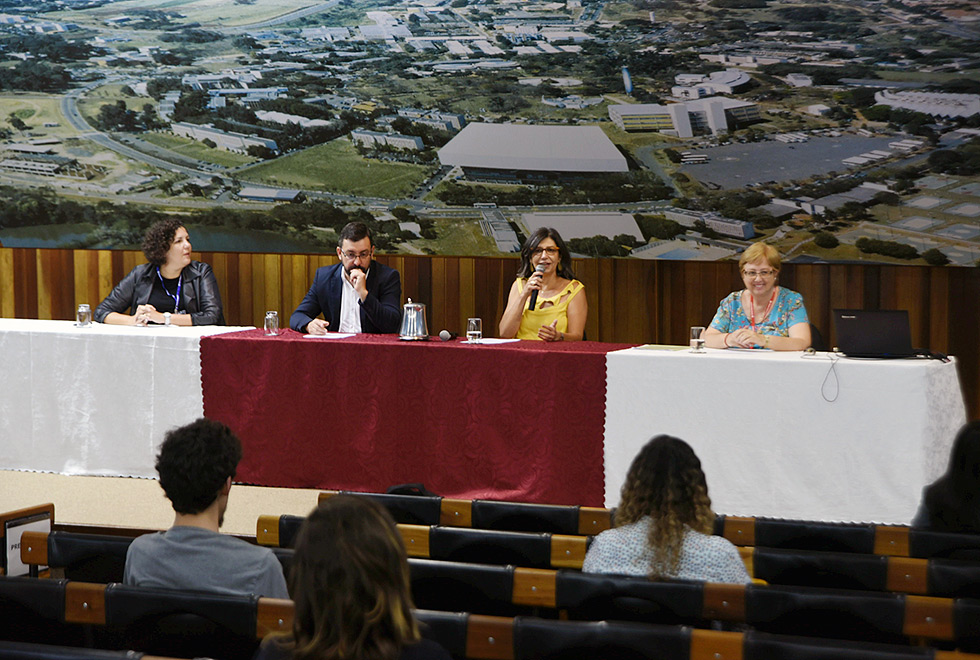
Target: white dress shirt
column 350, row 305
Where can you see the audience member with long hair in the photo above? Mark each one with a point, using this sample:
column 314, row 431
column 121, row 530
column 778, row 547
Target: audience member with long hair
column 664, row 522
column 350, row 582
column 952, row 502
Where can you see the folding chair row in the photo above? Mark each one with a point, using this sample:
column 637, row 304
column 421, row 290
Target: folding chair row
column 88, row 557
column 157, row 621
column 489, row 514
column 528, row 638
column 841, row 570
column 534, row 550
column 830, row 613
column 101, row 558
column 865, row 538
column 30, row 651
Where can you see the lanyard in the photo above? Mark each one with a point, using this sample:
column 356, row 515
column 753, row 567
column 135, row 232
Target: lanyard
column 175, row 296
column 765, row 314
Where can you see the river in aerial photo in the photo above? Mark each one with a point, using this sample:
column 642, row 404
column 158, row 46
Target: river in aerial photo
column 204, row 239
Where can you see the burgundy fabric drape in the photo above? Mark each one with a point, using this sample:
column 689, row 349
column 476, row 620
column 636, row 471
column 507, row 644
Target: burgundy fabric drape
column 520, row 421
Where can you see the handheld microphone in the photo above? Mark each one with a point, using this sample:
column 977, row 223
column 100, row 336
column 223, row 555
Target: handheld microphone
column 445, row 335
column 534, row 294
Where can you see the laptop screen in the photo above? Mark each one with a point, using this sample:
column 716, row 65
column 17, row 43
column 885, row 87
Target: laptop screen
column 873, row 333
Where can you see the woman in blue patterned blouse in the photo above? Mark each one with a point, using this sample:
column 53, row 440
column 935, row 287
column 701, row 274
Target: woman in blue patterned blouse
column 664, row 522
column 763, row 314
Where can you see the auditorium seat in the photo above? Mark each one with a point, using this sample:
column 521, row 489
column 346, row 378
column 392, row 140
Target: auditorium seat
column 34, row 651
column 454, row 586
column 526, row 549
column 490, row 514
column 833, row 570
column 593, row 597
column 32, row 610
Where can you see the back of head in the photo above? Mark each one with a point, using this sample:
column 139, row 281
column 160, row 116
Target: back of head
column 665, row 483
column 350, row 583
column 194, row 463
column 953, row 500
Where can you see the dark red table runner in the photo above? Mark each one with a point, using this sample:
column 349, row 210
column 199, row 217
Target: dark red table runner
column 520, row 421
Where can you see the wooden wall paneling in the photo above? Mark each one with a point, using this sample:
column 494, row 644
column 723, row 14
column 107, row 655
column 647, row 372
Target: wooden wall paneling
column 57, row 274
column 272, row 288
column 468, row 294
column 605, row 300
column 85, row 268
column 105, row 281
column 437, row 293
column 245, row 295
column 938, row 313
column 8, row 282
column 25, row 296
column 964, row 333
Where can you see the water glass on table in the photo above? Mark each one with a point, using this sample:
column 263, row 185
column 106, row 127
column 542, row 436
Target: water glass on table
column 697, row 339
column 271, row 324
column 83, row 317
column 474, row 330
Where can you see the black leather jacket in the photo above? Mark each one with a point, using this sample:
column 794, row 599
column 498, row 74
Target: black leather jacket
column 199, row 295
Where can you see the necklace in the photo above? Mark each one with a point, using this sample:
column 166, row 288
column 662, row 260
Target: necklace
column 765, row 314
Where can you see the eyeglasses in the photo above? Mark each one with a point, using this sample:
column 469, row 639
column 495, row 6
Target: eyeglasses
column 365, row 254
column 537, row 252
column 764, row 274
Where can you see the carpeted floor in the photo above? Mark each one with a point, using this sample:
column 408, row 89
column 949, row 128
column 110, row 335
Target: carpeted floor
column 126, row 502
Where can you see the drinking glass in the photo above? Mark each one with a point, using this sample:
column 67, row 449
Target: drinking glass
column 83, row 318
column 697, row 340
column 474, row 330
column 271, row 324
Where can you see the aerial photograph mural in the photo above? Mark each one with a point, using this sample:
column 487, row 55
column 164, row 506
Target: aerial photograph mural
column 643, row 129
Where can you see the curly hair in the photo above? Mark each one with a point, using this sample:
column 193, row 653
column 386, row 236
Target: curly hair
column 666, row 483
column 564, row 256
column 158, row 238
column 194, row 463
column 350, row 583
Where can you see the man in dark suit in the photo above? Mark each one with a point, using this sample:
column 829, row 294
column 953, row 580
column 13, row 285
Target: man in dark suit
column 356, row 295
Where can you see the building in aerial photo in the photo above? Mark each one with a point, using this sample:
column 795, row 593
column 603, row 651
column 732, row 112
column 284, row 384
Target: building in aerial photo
column 519, row 152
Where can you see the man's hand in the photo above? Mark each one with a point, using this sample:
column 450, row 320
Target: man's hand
column 358, row 278
column 317, row 327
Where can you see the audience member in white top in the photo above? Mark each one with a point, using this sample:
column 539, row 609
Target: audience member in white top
column 664, row 522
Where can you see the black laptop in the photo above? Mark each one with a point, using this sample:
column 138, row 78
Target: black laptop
column 878, row 333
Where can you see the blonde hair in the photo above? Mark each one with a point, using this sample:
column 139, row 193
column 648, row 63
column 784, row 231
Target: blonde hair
column 758, row 251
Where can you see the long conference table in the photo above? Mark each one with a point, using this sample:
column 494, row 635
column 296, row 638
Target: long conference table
column 780, row 435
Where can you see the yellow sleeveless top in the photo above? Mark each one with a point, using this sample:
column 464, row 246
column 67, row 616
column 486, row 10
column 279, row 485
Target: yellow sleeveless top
column 531, row 320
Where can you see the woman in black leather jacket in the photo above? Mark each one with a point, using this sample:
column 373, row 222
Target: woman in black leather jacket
column 169, row 290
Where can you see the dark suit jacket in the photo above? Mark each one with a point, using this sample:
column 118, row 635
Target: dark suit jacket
column 380, row 311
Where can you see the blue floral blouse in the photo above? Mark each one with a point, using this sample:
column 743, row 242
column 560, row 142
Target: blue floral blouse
column 787, row 311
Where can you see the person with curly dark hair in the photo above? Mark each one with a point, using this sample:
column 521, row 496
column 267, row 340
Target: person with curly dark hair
column 545, row 279
column 952, row 502
column 664, row 522
column 169, row 290
column 196, row 464
column 350, row 584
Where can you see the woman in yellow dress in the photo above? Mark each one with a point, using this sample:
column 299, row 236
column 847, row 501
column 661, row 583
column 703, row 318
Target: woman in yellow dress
column 560, row 307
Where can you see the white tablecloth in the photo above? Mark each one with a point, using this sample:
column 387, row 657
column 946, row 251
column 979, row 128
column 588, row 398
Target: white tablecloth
column 95, row 400
column 787, row 435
